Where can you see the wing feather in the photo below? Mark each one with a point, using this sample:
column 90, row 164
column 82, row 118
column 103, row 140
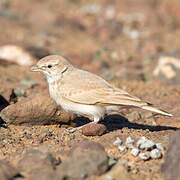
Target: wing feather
column 91, row 89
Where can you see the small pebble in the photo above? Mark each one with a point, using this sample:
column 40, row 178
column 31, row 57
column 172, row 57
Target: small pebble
column 107, row 177
column 122, row 148
column 144, row 155
column 155, row 154
column 141, row 141
column 129, row 140
column 159, row 146
column 94, row 129
column 135, row 151
column 130, row 146
column 145, row 143
column 117, row 142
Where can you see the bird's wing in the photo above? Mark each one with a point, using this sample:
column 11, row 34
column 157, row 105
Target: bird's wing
column 93, row 90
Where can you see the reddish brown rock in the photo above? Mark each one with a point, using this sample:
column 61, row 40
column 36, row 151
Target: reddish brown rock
column 37, row 110
column 94, row 129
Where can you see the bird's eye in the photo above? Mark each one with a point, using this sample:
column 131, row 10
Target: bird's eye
column 49, row 66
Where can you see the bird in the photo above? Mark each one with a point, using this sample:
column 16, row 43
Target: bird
column 84, row 93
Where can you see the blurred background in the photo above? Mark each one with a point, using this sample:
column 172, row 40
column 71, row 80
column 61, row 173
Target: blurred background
column 134, row 44
column 117, row 38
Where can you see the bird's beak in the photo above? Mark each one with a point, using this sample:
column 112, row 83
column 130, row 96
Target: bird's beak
column 35, row 68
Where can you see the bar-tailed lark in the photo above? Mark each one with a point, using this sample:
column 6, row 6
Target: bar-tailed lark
column 84, row 93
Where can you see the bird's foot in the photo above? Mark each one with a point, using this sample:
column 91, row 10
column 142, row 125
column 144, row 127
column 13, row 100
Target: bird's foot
column 78, row 128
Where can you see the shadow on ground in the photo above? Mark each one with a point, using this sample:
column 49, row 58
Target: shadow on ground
column 116, row 121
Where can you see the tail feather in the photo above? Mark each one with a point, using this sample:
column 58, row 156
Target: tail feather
column 153, row 109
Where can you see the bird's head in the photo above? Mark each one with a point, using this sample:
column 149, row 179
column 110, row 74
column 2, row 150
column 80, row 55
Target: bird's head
column 52, row 66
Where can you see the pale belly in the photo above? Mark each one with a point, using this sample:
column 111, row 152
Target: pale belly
column 84, row 109
column 97, row 112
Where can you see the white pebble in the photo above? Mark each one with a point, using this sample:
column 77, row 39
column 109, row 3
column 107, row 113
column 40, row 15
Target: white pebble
column 117, row 142
column 145, row 143
column 130, row 146
column 122, row 148
column 16, row 54
column 135, row 151
column 159, row 146
column 144, row 155
column 107, row 177
column 155, row 154
column 129, row 140
column 141, row 141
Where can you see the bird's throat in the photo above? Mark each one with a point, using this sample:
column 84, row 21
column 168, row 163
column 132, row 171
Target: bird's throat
column 53, row 79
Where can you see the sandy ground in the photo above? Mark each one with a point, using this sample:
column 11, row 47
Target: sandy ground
column 118, row 40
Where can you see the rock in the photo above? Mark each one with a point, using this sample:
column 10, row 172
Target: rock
column 34, row 161
column 40, row 109
column 94, row 129
column 159, row 146
column 168, row 68
column 144, row 143
column 107, row 177
column 144, row 156
column 85, row 158
column 16, row 54
column 7, row 171
column 45, row 175
column 129, row 140
column 122, row 148
column 155, row 154
column 135, row 151
column 134, row 116
column 171, row 167
column 117, row 172
column 148, row 118
column 117, row 142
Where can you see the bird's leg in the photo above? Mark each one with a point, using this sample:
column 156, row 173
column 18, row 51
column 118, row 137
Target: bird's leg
column 95, row 121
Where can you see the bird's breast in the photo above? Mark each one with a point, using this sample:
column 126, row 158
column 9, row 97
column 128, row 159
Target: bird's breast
column 54, row 92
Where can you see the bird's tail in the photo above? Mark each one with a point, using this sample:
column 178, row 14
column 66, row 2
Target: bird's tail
column 153, row 109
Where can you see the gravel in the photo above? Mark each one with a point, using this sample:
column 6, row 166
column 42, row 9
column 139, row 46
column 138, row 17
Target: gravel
column 117, row 142
column 129, row 140
column 144, row 156
column 155, row 154
column 145, row 143
column 135, row 151
column 159, row 146
column 122, row 148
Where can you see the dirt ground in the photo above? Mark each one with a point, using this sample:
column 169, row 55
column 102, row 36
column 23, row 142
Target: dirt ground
column 118, row 40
